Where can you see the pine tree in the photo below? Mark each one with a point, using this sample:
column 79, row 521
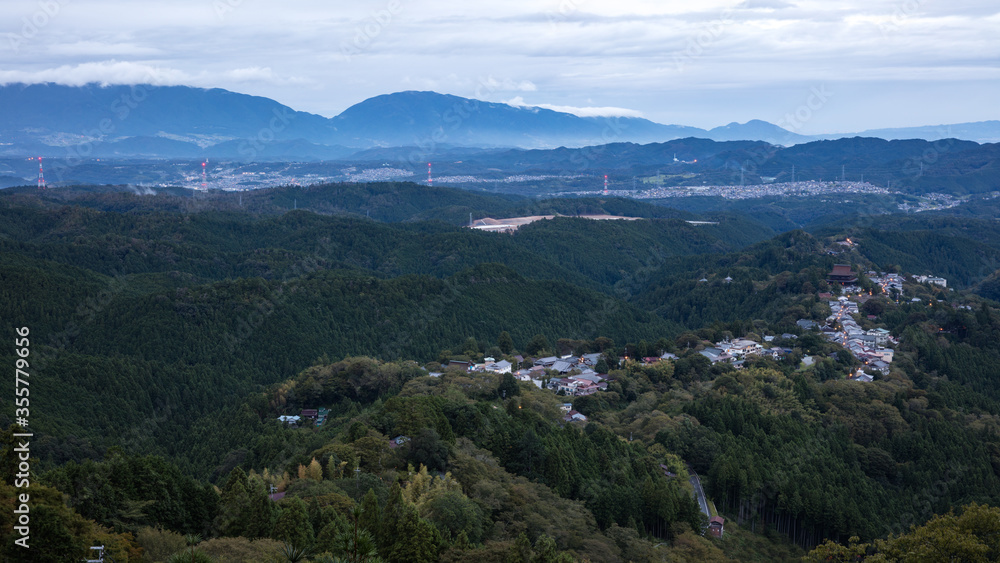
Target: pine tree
column 330, row 536
column 538, row 344
column 508, row 387
column 392, row 517
column 505, row 342
column 293, row 525
column 371, row 516
column 234, row 505
column 417, row 540
column 263, row 512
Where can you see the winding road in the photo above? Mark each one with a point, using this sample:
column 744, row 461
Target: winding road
column 699, row 493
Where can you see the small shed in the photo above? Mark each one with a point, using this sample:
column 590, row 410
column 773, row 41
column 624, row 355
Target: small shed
column 716, row 525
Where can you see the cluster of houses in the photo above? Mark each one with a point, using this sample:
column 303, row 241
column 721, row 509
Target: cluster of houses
column 736, row 352
column 934, row 280
column 315, row 416
column 574, row 375
column 488, row 365
column 888, row 282
column 868, row 346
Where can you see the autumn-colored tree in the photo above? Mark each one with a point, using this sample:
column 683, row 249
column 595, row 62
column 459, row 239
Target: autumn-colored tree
column 315, row 470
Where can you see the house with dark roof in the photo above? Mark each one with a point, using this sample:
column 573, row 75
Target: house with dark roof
column 590, row 376
column 842, row 274
column 881, row 367
column 562, row 366
column 716, row 355
column 716, row 526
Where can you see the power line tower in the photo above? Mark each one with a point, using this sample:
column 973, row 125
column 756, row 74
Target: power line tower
column 41, row 175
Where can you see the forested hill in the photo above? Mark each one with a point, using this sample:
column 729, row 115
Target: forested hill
column 964, row 250
column 154, row 305
column 184, row 334
column 227, row 244
column 387, row 201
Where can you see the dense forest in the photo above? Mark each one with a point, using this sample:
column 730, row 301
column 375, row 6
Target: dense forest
column 167, row 341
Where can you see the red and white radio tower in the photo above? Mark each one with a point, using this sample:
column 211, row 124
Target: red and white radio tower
column 204, row 182
column 430, row 181
column 41, row 175
column 605, row 184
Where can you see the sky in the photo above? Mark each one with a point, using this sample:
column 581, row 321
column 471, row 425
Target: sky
column 810, row 66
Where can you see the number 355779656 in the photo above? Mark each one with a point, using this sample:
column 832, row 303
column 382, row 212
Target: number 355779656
column 21, row 374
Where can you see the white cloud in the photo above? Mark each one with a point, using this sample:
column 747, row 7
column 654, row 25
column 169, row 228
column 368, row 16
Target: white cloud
column 519, row 102
column 124, row 72
column 491, row 84
column 104, row 73
column 668, row 59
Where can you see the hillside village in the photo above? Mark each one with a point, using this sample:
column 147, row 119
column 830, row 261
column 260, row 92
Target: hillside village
column 586, row 374
column 579, row 375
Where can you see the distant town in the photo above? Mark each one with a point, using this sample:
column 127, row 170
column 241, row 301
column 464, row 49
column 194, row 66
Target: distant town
column 755, row 191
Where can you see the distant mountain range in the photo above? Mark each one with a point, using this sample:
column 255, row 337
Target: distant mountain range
column 182, row 122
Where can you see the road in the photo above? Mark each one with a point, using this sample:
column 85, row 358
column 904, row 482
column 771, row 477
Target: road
column 699, row 493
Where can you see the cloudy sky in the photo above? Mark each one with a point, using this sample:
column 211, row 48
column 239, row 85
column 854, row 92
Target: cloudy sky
column 812, row 66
